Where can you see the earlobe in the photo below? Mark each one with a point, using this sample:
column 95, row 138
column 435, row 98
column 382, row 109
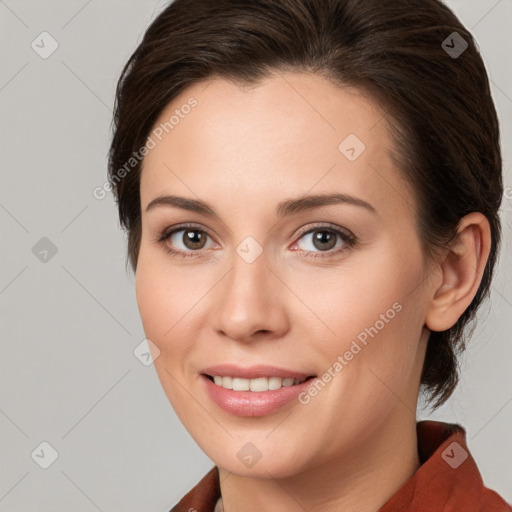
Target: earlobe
column 461, row 267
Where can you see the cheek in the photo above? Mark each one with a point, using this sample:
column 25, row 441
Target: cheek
column 149, row 301
column 374, row 316
column 161, row 311
column 155, row 299
column 168, row 298
column 355, row 300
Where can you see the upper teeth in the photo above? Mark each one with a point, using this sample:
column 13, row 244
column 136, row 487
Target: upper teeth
column 259, row 384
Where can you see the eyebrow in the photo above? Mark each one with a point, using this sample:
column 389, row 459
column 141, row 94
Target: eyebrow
column 284, row 209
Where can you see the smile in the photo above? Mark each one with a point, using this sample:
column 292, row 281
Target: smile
column 259, row 384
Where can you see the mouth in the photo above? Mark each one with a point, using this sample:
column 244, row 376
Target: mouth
column 257, row 384
column 255, row 391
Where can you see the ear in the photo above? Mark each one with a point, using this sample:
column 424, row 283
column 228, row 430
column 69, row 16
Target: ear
column 461, row 268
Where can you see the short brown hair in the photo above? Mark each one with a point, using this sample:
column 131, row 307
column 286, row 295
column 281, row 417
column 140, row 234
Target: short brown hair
column 439, row 105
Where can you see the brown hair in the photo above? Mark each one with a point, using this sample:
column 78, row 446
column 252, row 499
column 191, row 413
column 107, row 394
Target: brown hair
column 439, row 105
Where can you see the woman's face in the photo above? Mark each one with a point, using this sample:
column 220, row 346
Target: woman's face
column 309, row 287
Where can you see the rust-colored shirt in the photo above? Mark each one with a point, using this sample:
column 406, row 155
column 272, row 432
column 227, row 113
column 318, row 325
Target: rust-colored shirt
column 448, row 479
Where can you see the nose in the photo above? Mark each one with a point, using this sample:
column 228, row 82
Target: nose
column 250, row 302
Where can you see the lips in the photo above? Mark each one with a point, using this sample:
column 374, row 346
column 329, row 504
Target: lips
column 254, row 372
column 253, row 403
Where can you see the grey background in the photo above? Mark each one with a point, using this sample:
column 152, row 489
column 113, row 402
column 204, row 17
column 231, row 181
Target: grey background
column 69, row 325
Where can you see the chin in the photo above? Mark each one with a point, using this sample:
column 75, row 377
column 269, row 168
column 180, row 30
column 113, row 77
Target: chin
column 249, row 461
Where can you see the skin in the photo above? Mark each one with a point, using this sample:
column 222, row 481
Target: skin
column 243, row 150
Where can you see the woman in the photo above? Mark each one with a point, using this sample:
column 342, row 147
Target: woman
column 249, row 134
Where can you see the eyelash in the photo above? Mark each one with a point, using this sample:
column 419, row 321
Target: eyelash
column 349, row 240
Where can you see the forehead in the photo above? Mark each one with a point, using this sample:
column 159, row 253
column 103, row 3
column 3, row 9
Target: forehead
column 289, row 132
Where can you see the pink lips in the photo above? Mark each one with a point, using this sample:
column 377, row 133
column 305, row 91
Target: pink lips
column 252, row 403
column 253, row 372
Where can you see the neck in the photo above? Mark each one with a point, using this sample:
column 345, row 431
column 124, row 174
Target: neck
column 363, row 479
